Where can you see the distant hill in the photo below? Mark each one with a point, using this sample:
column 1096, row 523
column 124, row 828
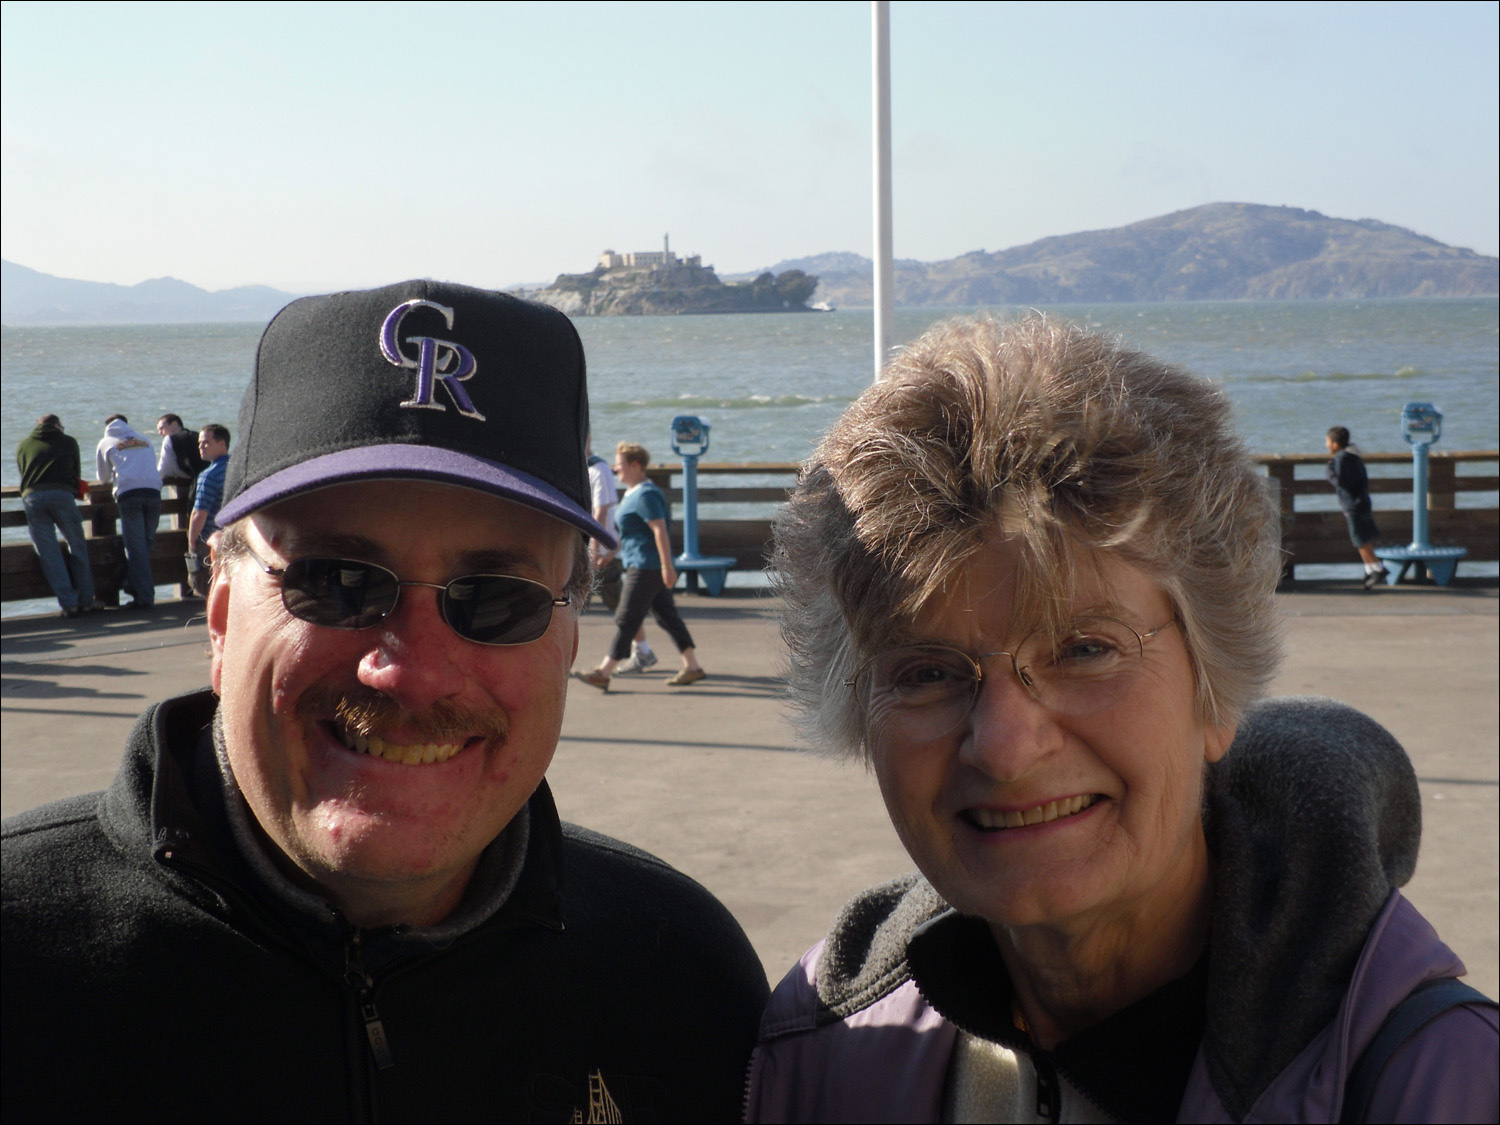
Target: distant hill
column 1217, row 252
column 30, row 297
column 838, row 262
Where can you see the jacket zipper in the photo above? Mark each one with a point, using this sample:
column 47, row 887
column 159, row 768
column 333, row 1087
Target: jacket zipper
column 363, row 987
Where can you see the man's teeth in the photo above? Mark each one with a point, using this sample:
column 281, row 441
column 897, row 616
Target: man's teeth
column 1041, row 814
column 407, row 754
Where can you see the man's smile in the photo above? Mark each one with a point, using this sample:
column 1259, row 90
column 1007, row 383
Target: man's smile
column 370, row 723
column 407, row 754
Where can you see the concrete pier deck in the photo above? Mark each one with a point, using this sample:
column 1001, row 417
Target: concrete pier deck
column 704, row 777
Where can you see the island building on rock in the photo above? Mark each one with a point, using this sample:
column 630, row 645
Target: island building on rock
column 658, row 282
column 648, row 259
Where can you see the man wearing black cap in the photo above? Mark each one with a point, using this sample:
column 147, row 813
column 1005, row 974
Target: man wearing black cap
column 335, row 886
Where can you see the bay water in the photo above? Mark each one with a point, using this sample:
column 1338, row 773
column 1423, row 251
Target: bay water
column 771, row 384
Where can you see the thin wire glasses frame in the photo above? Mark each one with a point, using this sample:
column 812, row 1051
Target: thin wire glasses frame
column 498, row 610
column 932, row 688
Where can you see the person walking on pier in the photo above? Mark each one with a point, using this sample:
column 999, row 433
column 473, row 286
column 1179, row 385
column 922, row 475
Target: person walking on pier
column 609, row 572
column 50, row 478
column 646, row 551
column 334, row 886
column 125, row 459
column 1346, row 472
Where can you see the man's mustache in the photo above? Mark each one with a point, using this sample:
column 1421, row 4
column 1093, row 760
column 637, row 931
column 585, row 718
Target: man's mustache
column 369, row 712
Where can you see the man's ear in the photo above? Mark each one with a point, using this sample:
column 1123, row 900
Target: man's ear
column 218, row 618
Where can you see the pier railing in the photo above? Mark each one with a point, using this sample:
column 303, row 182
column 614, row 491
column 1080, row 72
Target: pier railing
column 21, row 571
column 1313, row 530
column 737, row 500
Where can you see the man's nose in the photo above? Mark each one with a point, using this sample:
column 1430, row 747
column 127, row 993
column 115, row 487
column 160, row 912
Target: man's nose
column 1007, row 731
column 414, row 656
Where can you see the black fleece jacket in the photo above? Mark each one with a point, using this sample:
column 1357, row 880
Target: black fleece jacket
column 149, row 975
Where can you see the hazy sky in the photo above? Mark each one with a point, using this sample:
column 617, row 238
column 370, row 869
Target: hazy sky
column 312, row 146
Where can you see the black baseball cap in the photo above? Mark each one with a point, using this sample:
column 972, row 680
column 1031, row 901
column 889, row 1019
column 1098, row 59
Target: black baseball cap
column 424, row 380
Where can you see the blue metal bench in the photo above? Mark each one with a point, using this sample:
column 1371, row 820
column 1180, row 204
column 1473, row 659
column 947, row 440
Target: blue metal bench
column 1440, row 562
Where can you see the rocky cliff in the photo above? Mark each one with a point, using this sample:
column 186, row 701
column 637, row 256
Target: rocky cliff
column 676, row 289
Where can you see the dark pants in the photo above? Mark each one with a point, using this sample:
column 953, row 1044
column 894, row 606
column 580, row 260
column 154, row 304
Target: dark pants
column 1362, row 529
column 643, row 590
column 140, row 512
column 199, row 572
column 48, row 511
column 607, row 579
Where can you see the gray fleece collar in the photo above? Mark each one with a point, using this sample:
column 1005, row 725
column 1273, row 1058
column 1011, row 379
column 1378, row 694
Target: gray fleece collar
column 1314, row 817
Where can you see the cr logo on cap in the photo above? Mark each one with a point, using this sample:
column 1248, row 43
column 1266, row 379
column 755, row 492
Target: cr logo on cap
column 437, row 361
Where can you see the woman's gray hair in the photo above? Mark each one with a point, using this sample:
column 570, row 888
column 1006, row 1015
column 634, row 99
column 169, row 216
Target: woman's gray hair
column 1075, row 445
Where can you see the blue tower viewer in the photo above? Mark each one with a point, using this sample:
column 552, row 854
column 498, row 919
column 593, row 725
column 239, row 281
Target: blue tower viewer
column 1421, row 426
column 690, row 441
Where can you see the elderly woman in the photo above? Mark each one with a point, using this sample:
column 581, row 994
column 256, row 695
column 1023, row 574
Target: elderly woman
column 1028, row 579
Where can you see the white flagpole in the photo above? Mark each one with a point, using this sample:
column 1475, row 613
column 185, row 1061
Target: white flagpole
column 885, row 288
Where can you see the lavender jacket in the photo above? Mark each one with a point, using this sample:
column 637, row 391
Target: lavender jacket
column 1311, row 946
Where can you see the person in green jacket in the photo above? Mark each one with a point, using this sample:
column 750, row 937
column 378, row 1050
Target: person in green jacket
column 49, row 464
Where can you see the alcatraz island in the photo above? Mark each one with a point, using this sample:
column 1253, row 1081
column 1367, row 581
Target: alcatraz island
column 658, row 282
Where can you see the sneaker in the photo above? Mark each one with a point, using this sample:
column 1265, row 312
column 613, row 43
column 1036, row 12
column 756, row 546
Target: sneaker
column 687, row 676
column 635, row 663
column 595, row 678
column 1374, row 578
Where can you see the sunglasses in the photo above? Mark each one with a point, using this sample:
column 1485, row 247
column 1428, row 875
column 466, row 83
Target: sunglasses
column 488, row 609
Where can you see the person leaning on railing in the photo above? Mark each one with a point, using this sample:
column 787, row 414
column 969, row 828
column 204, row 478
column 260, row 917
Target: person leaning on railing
column 50, row 478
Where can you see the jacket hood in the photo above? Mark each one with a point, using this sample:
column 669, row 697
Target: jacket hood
column 1312, row 818
column 121, row 431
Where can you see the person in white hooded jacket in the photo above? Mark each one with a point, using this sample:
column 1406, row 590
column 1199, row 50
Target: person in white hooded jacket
column 126, row 460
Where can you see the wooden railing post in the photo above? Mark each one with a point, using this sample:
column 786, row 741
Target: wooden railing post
column 182, row 515
column 102, row 511
column 1282, row 474
column 1442, row 483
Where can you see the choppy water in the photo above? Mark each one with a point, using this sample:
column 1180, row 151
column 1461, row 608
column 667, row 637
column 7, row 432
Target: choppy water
column 771, row 384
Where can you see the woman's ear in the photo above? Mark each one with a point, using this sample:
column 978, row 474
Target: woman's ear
column 1216, row 742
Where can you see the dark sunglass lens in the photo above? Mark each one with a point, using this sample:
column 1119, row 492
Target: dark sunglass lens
column 496, row 609
column 340, row 593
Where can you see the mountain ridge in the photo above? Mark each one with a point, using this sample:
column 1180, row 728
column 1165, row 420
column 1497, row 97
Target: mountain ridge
column 1218, row 251
column 28, row 296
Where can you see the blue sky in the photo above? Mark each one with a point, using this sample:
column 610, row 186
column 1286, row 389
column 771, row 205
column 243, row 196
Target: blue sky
column 314, row 146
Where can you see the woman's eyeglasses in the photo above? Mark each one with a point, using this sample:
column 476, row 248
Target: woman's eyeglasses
column 488, row 609
column 929, row 690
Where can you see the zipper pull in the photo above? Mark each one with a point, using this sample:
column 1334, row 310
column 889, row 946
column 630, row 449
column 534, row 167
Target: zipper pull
column 1048, row 1095
column 359, row 981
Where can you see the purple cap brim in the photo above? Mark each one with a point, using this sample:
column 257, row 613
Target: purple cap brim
column 415, row 462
